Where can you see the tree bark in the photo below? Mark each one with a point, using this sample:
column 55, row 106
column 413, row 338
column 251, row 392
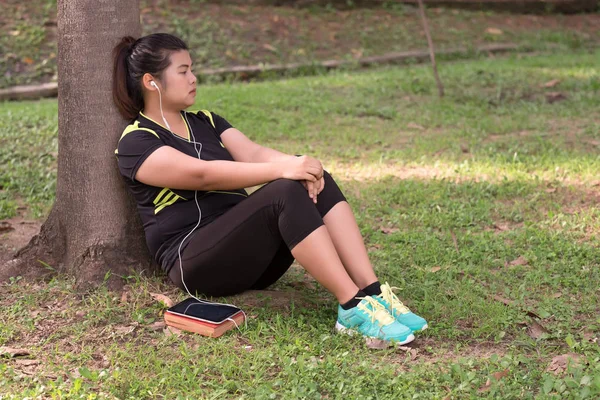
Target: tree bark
column 93, row 231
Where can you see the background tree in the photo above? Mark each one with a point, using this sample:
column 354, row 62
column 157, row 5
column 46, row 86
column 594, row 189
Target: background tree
column 93, row 227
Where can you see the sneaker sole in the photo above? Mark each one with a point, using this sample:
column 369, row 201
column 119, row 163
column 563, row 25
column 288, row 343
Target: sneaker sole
column 342, row 329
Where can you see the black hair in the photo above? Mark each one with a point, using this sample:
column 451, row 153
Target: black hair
column 132, row 59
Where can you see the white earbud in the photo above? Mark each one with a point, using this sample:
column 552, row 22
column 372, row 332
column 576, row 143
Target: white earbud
column 152, row 83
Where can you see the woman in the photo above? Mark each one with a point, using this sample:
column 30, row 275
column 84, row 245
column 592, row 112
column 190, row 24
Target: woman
column 187, row 172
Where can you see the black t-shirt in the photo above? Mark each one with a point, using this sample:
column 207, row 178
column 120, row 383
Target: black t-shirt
column 168, row 215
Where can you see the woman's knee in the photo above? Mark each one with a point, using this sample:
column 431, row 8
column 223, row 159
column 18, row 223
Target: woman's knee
column 286, row 187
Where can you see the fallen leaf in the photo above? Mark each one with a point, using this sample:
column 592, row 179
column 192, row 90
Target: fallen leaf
column 519, row 261
column 158, row 325
column 550, row 190
column 124, row 330
column 80, row 314
column 414, row 353
column 501, row 227
column 377, row 343
column 503, row 300
column 10, row 352
column 124, row 296
column 435, row 269
column 28, row 363
column 551, row 84
column 172, row 331
column 486, row 387
column 162, row 298
column 556, row 295
column 536, row 330
column 553, row 97
column 387, row 230
column 494, row 31
column 454, row 241
column 559, row 364
column 589, row 336
column 412, row 125
column 5, row 226
column 497, row 376
column 269, row 47
column 592, row 142
column 28, row 60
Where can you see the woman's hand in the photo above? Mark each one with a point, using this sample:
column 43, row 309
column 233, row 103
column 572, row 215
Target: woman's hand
column 303, row 168
column 314, row 188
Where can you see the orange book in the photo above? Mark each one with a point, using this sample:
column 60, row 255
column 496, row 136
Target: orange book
column 205, row 318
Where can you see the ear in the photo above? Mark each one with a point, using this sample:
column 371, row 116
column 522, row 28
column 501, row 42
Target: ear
column 146, row 79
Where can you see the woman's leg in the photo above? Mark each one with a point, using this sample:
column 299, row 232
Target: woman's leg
column 349, row 244
column 232, row 253
column 345, row 235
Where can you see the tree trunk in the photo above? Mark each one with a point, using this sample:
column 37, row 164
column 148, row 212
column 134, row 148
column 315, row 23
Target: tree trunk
column 93, row 231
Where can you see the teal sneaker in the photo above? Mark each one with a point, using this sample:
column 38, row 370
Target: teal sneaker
column 372, row 320
column 395, row 307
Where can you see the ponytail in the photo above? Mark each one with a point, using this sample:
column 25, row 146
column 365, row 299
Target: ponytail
column 132, row 59
column 128, row 102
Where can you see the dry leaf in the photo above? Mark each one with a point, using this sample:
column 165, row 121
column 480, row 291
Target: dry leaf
column 412, row 125
column 501, row 227
column 28, row 363
column 28, row 60
column 550, row 190
column 5, row 226
column 158, row 325
column 269, row 47
column 387, row 230
column 172, row 331
column 559, row 364
column 486, row 387
column 435, row 269
column 414, row 353
column 536, row 330
column 9, row 352
column 454, row 241
column 589, row 336
column 551, row 84
column 592, row 142
column 553, row 97
column 557, row 295
column 377, row 343
column 124, row 330
column 497, row 375
column 494, row 31
column 124, row 296
column 519, row 261
column 162, row 298
column 503, row 300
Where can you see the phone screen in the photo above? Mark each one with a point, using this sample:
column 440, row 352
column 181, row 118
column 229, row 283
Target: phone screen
column 211, row 312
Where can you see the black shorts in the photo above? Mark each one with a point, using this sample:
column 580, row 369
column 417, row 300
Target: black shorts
column 249, row 247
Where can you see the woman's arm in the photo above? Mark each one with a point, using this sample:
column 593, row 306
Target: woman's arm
column 245, row 150
column 168, row 167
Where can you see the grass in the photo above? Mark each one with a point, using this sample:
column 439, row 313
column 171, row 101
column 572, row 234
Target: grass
column 222, row 35
column 481, row 207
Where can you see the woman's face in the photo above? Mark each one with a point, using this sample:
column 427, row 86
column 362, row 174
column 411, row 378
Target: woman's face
column 179, row 82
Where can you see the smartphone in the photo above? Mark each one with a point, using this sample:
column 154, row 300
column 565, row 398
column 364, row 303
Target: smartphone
column 213, row 313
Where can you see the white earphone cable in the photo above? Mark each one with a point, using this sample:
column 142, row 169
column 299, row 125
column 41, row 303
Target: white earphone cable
column 198, row 151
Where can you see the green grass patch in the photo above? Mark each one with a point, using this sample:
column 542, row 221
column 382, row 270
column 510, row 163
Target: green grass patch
column 480, row 207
